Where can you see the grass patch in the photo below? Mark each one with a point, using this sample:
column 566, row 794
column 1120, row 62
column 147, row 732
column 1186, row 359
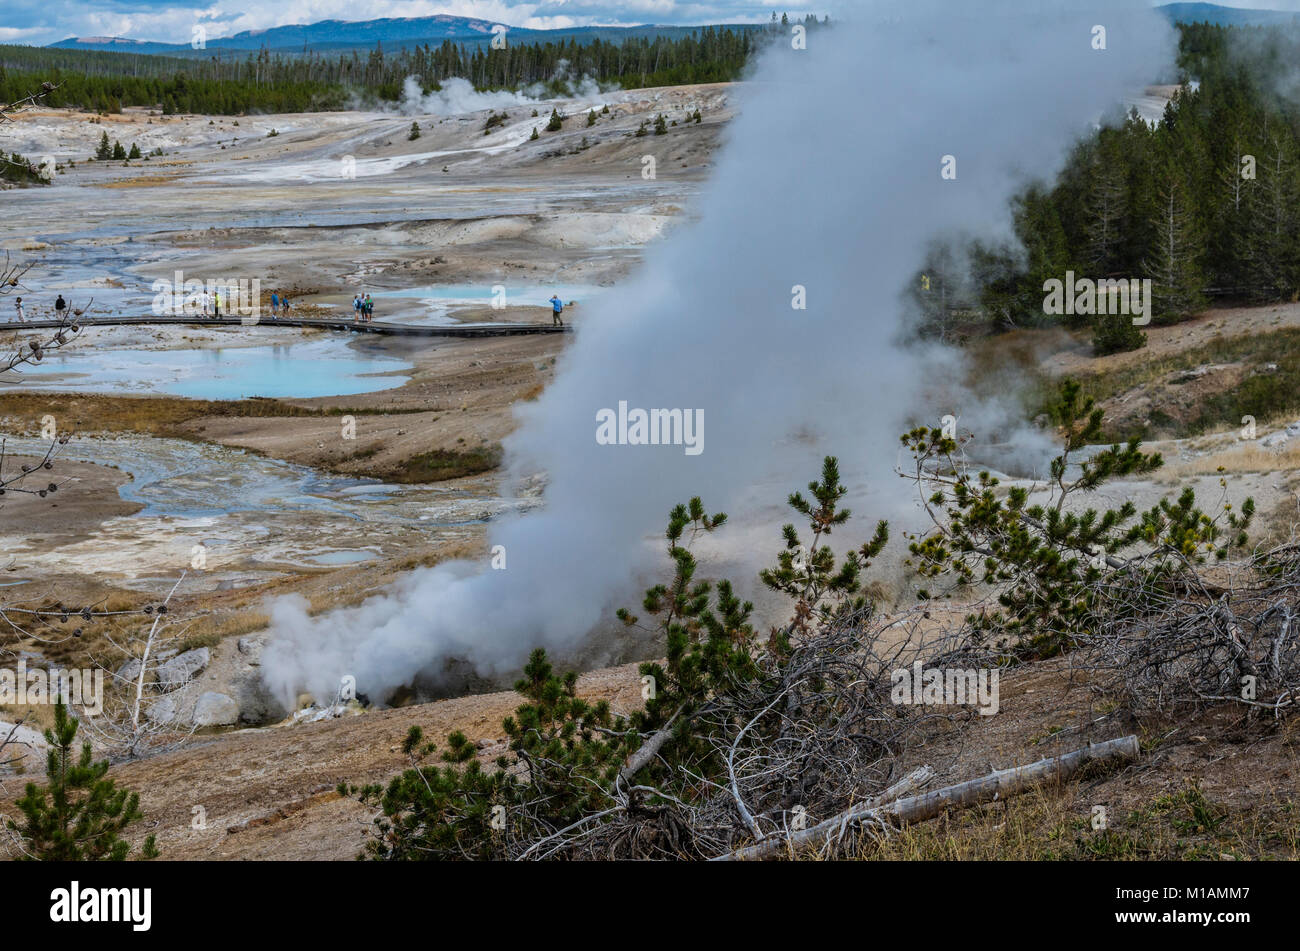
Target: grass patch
column 440, row 464
column 1266, row 395
column 154, row 415
column 1056, row 825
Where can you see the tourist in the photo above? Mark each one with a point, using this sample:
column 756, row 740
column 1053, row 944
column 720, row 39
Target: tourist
column 18, row 306
column 60, row 305
column 356, row 309
column 557, row 308
column 216, row 305
column 275, row 304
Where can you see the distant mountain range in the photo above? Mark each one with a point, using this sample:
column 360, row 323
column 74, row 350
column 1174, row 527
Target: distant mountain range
column 365, row 34
column 416, row 31
column 1225, row 16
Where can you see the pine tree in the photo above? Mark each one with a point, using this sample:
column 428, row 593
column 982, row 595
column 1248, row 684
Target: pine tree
column 105, row 150
column 1272, row 231
column 135, row 151
column 1229, row 240
column 1115, row 333
column 1047, row 256
column 414, row 133
column 661, row 127
column 556, row 122
column 1107, row 208
column 1045, row 557
column 1174, row 261
column 79, row 815
column 591, row 118
column 119, row 153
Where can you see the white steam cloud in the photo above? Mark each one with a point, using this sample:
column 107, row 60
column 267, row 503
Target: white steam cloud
column 458, row 96
column 830, row 180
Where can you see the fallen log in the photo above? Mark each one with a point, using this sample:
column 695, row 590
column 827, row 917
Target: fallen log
column 998, row 784
column 836, row 824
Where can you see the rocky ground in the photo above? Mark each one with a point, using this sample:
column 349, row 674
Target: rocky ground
column 333, row 205
column 319, row 207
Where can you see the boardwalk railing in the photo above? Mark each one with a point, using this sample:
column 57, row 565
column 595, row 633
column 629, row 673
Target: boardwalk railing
column 340, row 323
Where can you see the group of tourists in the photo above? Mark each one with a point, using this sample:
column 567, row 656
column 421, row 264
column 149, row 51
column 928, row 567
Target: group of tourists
column 279, row 305
column 20, row 312
column 208, row 303
column 363, row 308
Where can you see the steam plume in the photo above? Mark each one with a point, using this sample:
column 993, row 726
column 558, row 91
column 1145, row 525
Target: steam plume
column 830, row 180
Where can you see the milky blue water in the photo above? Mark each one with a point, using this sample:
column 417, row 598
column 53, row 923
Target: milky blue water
column 307, row 369
column 441, row 299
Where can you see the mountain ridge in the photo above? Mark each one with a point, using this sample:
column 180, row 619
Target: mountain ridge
column 362, row 34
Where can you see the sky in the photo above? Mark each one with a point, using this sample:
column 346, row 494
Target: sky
column 171, row 21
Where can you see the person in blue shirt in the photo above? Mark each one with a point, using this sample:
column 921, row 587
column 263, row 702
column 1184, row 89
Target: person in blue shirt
column 275, row 304
column 557, row 308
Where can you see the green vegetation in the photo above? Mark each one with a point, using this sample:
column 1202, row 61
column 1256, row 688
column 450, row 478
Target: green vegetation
column 1053, row 825
column 1044, row 560
column 19, row 170
column 80, row 813
column 235, row 82
column 664, row 781
column 1206, row 204
column 1115, row 333
column 1269, row 389
column 440, row 464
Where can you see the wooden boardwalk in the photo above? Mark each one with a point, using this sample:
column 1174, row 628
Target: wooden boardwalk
column 371, row 327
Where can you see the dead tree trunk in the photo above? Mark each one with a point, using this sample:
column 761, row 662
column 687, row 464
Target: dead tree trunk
column 998, row 784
